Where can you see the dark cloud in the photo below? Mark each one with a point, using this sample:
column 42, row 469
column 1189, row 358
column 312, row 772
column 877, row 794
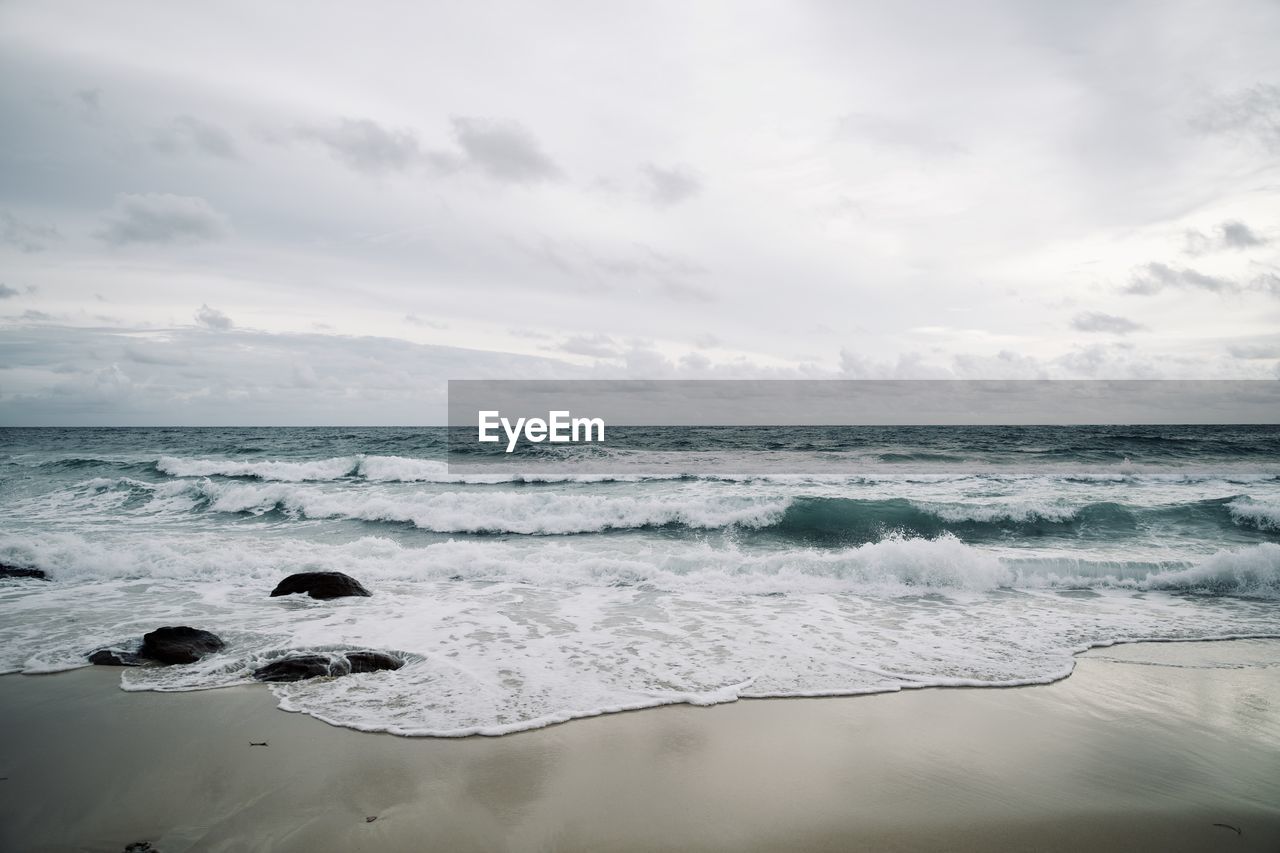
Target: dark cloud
column 1155, row 277
column 6, row 291
column 1236, row 235
column 161, row 218
column 670, row 186
column 187, row 134
column 1253, row 112
column 212, row 318
column 367, row 146
column 503, row 150
column 26, row 236
column 1096, row 321
column 186, row 375
column 1232, row 234
column 154, row 354
column 89, row 98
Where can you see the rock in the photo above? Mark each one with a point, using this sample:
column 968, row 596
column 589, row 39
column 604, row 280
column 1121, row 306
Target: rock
column 140, row 847
column 372, row 661
column 8, row 571
column 115, row 657
column 302, row 667
column 320, row 585
column 179, row 645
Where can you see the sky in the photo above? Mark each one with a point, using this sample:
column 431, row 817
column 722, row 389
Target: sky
column 317, row 213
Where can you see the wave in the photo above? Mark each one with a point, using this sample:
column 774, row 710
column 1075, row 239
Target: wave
column 317, row 469
column 1253, row 513
column 493, row 512
column 747, row 466
column 813, row 520
column 1247, row 571
column 896, row 565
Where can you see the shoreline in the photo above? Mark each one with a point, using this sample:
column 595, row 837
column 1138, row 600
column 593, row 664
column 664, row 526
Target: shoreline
column 1148, row 746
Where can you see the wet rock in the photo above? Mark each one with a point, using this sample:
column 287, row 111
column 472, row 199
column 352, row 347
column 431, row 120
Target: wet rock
column 320, row 585
column 368, row 661
column 8, row 571
column 302, row 667
column 115, row 657
column 179, row 644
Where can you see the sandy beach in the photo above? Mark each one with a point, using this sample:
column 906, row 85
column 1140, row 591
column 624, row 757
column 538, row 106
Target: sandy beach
column 1172, row 746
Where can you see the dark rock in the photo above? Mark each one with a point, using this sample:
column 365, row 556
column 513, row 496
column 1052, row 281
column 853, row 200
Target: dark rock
column 8, row 571
column 179, row 645
column 301, row 667
column 140, row 847
column 115, row 657
column 320, row 585
column 372, row 661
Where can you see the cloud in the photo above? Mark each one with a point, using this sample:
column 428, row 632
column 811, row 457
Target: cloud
column 149, row 353
column 25, row 236
column 1155, row 277
column 185, row 133
column 1253, row 112
column 503, row 150
column 1096, row 321
column 212, row 318
column 1255, row 351
column 161, row 218
column 415, row 320
column 673, row 274
column 366, row 146
column 6, row 291
column 185, row 375
column 1236, row 235
column 670, row 186
column 1232, row 234
column 90, row 98
column 898, row 135
column 596, row 346
column 535, row 334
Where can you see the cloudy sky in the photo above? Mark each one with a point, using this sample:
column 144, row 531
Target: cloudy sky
column 317, row 213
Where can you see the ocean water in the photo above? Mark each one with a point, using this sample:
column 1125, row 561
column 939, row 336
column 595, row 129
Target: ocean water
column 694, row 565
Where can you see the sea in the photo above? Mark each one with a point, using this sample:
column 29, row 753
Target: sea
column 688, row 565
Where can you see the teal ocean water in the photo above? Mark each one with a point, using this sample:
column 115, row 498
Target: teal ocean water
column 673, row 565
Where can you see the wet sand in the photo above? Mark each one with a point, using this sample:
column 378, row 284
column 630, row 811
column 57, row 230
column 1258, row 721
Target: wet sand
column 1145, row 747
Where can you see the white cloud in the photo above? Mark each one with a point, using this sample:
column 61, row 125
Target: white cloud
column 1096, row 321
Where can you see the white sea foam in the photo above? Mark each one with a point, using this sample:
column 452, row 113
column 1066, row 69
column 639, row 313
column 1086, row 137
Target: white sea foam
column 491, row 511
column 316, row 469
column 504, row 636
column 1264, row 515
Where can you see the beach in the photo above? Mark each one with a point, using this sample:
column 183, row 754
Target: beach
column 1154, row 746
